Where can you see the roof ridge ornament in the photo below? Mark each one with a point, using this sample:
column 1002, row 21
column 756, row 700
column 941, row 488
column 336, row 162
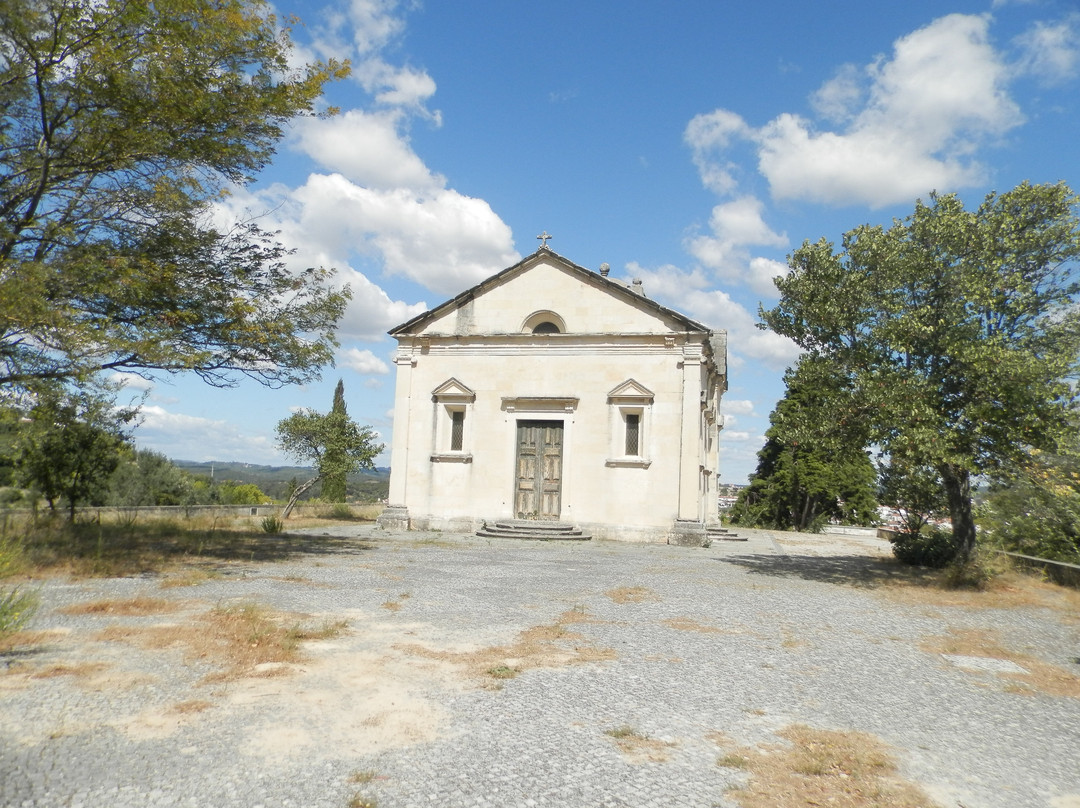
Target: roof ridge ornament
column 543, row 237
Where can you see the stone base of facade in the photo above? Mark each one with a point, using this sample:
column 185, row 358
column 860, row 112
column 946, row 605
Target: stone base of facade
column 394, row 517
column 688, row 533
column 446, row 524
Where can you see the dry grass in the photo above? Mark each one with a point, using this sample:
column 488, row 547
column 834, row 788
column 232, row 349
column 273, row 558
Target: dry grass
column 539, row 647
column 24, row 639
column 638, row 747
column 632, row 594
column 1009, row 588
column 132, row 607
column 395, row 605
column 190, row 576
column 689, row 624
column 191, row 706
column 822, row 768
column 244, row 639
column 120, row 545
column 78, row 671
column 1040, row 677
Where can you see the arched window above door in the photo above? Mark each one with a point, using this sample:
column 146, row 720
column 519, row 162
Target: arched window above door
column 543, row 322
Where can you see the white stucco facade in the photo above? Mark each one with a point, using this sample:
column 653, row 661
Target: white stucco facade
column 606, row 416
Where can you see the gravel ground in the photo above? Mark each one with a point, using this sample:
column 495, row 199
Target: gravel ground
column 742, row 638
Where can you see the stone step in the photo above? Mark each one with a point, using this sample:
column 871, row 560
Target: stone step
column 529, row 529
column 722, row 534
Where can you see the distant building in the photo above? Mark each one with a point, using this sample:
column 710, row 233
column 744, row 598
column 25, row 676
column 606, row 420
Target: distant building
column 551, row 392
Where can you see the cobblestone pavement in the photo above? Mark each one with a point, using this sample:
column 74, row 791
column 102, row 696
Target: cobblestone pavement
column 677, row 644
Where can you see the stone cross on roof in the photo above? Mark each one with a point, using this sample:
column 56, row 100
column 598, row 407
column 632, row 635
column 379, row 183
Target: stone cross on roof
column 544, row 238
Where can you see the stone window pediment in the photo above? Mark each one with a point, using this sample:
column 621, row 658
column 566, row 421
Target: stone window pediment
column 453, row 402
column 630, row 404
column 631, row 392
column 453, row 390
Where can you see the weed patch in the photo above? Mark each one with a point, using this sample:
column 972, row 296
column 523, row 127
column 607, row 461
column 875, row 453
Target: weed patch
column 538, row 647
column 243, row 639
column 632, row 594
column 1036, row 677
column 1009, row 589
column 395, row 605
column 689, row 624
column 190, row 576
column 80, row 670
column 638, row 747
column 822, row 767
column 138, row 606
column 191, row 706
column 117, row 546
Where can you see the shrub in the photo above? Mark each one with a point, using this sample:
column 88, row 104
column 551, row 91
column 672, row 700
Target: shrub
column 931, row 548
column 16, row 608
column 272, row 525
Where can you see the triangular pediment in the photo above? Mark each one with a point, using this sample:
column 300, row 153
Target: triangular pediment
column 453, row 389
column 631, row 390
column 586, row 302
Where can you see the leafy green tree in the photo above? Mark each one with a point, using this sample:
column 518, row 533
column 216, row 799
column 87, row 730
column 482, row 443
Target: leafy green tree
column 149, row 478
column 234, row 493
column 958, row 329
column 123, row 122
column 71, row 446
column 333, row 443
column 333, row 484
column 1034, row 505
column 813, row 467
column 916, row 492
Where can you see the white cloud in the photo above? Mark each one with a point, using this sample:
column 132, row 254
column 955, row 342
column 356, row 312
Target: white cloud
column 1050, row 51
column 838, row 99
column 368, row 148
column 189, row 437
column 734, row 226
column 686, row 292
column 913, row 124
column 372, row 312
column 362, row 361
column 132, row 381
column 712, row 132
column 729, row 436
column 762, row 273
column 668, row 281
column 374, row 24
column 737, row 406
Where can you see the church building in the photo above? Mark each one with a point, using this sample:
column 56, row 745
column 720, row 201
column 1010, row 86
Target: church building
column 555, row 394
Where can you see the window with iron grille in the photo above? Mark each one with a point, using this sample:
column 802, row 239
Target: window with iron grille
column 457, row 430
column 633, row 434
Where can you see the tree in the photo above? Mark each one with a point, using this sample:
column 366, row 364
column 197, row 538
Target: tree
column 234, row 493
column 1034, row 505
column 124, row 121
column 71, row 446
column 333, row 443
column 958, row 329
column 813, row 466
column 333, row 484
column 150, row 478
column 916, row 492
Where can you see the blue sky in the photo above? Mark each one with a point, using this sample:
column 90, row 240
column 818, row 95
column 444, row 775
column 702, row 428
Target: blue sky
column 693, row 145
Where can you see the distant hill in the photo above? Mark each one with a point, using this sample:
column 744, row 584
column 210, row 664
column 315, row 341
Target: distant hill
column 366, row 486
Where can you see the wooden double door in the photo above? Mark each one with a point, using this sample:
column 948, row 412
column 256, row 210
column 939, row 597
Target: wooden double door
column 538, row 490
